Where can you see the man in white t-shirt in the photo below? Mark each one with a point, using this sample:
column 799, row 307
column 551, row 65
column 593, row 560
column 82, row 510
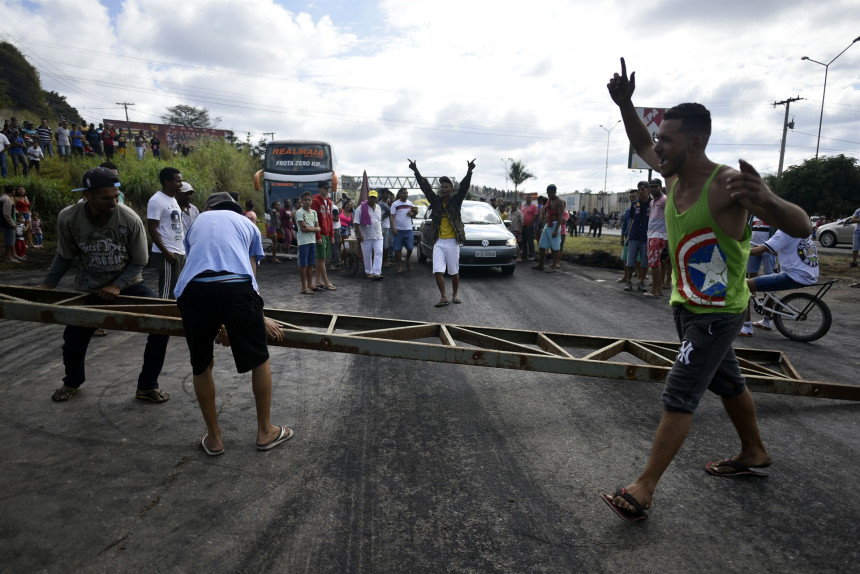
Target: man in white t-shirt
column 189, row 210
column 657, row 235
column 798, row 264
column 368, row 230
column 402, row 212
column 64, row 148
column 5, row 144
column 164, row 222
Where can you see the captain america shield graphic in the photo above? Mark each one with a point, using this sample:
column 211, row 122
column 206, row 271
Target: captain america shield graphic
column 702, row 269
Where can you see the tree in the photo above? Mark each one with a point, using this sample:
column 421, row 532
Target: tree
column 62, row 109
column 20, row 87
column 826, row 186
column 189, row 116
column 518, row 173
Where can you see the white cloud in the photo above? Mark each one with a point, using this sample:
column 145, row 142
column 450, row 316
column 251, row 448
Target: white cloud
column 447, row 81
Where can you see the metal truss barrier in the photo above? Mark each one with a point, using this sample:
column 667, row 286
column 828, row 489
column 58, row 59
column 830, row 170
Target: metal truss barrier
column 606, row 357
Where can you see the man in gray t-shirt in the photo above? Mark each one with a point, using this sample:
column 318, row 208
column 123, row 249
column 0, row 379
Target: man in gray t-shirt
column 109, row 240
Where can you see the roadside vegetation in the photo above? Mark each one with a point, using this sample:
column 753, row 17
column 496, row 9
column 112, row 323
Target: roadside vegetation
column 213, row 166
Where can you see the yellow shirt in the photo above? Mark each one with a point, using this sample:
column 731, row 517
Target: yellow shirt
column 446, row 230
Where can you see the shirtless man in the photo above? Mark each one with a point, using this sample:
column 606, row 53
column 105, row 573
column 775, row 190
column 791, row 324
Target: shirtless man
column 710, row 294
column 550, row 237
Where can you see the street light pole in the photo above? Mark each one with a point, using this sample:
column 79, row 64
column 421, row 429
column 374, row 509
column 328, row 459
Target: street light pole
column 608, row 133
column 505, row 164
column 824, row 91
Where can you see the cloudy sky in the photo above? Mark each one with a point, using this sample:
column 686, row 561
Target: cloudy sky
column 447, row 81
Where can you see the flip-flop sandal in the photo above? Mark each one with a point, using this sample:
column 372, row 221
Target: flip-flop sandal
column 456, row 300
column 207, row 450
column 61, row 396
column 319, row 288
column 551, row 270
column 737, row 469
column 154, row 395
column 638, row 514
column 99, row 333
column 330, row 288
column 308, row 292
column 286, row 434
column 442, row 303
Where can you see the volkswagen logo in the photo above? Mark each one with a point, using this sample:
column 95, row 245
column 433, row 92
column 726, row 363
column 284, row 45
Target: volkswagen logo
column 484, row 242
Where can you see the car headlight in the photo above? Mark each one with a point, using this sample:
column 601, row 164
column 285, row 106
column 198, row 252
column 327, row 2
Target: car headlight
column 511, row 242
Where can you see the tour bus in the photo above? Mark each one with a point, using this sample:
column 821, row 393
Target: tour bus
column 292, row 167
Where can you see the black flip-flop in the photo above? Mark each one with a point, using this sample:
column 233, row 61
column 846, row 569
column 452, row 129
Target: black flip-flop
column 737, row 469
column 442, row 304
column 638, row 514
column 154, row 395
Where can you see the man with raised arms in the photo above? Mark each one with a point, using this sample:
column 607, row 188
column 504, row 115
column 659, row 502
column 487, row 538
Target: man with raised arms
column 706, row 215
column 447, row 228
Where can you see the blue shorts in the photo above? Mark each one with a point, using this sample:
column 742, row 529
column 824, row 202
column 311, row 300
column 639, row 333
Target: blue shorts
column 547, row 241
column 857, row 239
column 775, row 282
column 8, row 236
column 307, row 254
column 637, row 250
column 404, row 238
column 705, row 361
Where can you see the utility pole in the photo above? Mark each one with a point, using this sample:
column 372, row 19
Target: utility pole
column 126, row 105
column 785, row 126
column 272, row 134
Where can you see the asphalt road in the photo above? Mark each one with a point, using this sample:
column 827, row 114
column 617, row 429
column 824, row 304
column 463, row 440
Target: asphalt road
column 409, row 466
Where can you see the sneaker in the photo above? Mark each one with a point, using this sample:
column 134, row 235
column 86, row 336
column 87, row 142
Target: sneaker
column 764, row 324
column 642, row 288
column 746, row 331
column 628, row 286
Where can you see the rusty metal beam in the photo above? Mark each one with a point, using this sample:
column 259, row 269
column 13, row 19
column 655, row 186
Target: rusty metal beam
column 570, row 354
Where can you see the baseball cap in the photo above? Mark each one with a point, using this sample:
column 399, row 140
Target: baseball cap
column 656, row 182
column 222, row 200
column 97, row 178
column 642, row 184
column 186, row 188
column 325, row 183
column 372, row 193
column 551, row 187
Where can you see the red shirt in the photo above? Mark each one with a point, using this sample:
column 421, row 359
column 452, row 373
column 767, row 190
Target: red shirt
column 323, row 209
column 530, row 212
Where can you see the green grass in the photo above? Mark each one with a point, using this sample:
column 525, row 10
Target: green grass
column 212, row 167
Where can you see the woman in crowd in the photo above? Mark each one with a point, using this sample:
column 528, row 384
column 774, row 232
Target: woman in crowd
column 22, row 206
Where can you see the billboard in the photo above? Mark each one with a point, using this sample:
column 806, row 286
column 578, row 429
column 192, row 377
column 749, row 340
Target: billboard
column 172, row 137
column 652, row 117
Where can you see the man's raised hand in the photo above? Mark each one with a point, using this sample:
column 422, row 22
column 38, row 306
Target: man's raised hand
column 471, row 165
column 412, row 165
column 620, row 87
column 748, row 186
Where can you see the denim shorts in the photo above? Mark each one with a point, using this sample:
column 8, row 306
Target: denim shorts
column 705, row 361
column 404, row 238
column 775, row 282
column 307, row 254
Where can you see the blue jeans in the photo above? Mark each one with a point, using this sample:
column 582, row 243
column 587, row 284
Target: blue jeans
column 3, row 170
column 77, row 339
column 47, row 149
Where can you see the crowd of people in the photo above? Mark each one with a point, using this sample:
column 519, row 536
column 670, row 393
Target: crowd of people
column 22, row 229
column 26, row 144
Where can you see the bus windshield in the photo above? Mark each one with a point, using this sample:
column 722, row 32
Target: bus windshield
column 298, row 158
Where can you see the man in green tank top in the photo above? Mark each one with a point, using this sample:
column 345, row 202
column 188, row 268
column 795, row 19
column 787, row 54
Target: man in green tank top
column 706, row 215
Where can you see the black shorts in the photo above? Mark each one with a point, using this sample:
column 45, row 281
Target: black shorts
column 206, row 306
column 706, row 360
